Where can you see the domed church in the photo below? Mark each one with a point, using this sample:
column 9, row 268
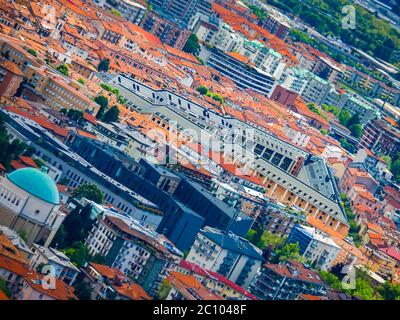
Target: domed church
column 29, row 203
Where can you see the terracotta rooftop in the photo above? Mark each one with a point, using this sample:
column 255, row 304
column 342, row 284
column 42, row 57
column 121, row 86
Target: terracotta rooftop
column 190, row 288
column 132, row 291
column 11, row 67
column 62, row 291
column 3, row 296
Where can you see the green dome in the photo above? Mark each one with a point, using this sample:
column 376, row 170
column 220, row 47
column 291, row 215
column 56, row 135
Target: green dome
column 37, row 183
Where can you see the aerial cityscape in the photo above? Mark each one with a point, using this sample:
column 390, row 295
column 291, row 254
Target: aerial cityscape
column 238, row 150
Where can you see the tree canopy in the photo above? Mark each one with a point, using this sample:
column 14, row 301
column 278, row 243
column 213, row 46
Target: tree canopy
column 63, row 68
column 372, row 34
column 192, row 45
column 290, row 251
column 102, row 101
column 90, row 192
column 344, row 117
column 111, row 115
column 104, row 65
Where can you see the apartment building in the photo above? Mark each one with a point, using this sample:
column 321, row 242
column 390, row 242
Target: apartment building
column 181, row 9
column 215, row 282
column 315, row 90
column 327, row 69
column 227, row 254
column 277, row 24
column 318, row 249
column 10, row 78
column 381, row 138
column 63, row 267
column 286, row 282
column 279, row 221
column 226, row 39
column 169, row 32
column 139, row 253
column 264, row 58
column 132, row 10
column 112, row 31
column 111, row 284
column 239, row 69
column 356, row 105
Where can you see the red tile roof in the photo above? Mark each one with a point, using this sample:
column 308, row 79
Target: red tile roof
column 106, row 271
column 90, row 118
column 132, row 291
column 86, row 134
column 210, row 274
column 3, row 296
column 17, row 165
column 62, row 291
column 190, row 288
column 29, row 161
column 393, row 252
column 200, row 169
column 302, row 274
column 13, row 266
column 11, row 67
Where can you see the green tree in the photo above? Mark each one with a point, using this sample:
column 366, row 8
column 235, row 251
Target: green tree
column 272, row 241
column 3, row 288
column 387, row 160
column 9, row 150
column 32, row 52
column 347, row 145
column 111, row 115
column 164, row 289
column 396, row 169
column 74, row 228
column 290, row 251
column 98, row 258
column 331, row 109
column 78, row 253
column 23, row 235
column 59, row 238
column 192, row 45
column 250, row 235
column 116, row 12
column 90, row 192
column 355, row 119
column 75, row 115
column 217, row 97
column 259, row 12
column 104, row 65
column 63, row 68
column 389, row 291
column 102, row 101
column 364, row 289
column 257, row 236
column 356, row 130
column 202, row 89
column 344, row 117
column 332, row 280
column 81, row 81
